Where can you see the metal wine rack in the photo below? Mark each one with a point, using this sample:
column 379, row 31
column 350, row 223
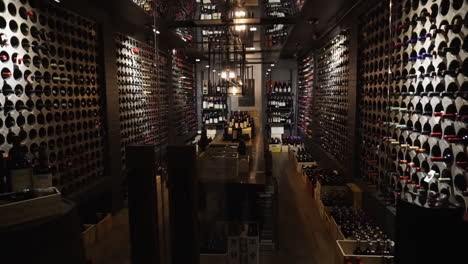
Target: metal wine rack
column 373, row 84
column 424, row 128
column 184, row 92
column 305, row 100
column 332, row 103
column 143, row 108
column 51, row 91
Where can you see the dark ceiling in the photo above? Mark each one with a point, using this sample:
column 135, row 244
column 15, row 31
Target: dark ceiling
column 306, row 33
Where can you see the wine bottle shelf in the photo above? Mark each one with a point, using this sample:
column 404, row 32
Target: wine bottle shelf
column 305, row 93
column 143, row 102
column 331, row 97
column 51, row 90
column 413, row 120
column 184, row 94
column 279, row 102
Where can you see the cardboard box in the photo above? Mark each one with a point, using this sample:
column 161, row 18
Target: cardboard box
column 275, row 147
column 345, row 248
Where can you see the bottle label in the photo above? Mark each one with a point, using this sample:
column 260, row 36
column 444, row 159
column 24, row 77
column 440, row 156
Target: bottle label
column 42, row 180
column 21, row 179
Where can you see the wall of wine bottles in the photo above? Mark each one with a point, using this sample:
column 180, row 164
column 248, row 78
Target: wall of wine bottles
column 184, row 96
column 331, row 98
column 417, row 145
column 51, row 91
column 306, row 71
column 143, row 102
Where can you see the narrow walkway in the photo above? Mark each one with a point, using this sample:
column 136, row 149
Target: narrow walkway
column 302, row 236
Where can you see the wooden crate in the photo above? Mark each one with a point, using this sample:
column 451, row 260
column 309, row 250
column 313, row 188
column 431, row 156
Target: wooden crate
column 321, row 209
column 345, row 248
column 299, row 165
column 32, row 209
column 89, row 238
column 212, row 258
column 335, row 230
column 104, row 227
column 356, row 195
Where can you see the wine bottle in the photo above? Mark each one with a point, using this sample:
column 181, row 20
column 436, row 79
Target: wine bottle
column 42, row 176
column 20, row 168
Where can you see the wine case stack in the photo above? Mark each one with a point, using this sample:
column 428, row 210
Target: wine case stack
column 331, row 98
column 140, row 97
column 184, row 92
column 422, row 130
column 305, row 96
column 51, row 93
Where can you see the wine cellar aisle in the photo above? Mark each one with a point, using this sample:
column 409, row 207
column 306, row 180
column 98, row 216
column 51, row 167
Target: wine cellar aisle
column 234, row 131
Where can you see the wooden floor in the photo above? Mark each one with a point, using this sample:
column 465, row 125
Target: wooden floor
column 302, row 238
column 301, row 235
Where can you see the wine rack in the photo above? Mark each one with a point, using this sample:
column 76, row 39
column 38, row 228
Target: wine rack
column 280, row 103
column 215, row 111
column 146, row 5
column 373, row 85
column 305, row 96
column 184, row 92
column 276, row 34
column 143, row 103
column 331, row 97
column 424, row 127
column 51, row 90
column 164, row 98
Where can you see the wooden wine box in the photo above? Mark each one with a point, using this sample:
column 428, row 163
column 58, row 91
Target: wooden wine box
column 104, row 227
column 345, row 248
column 299, row 165
column 356, row 195
column 30, row 210
column 213, row 259
column 89, row 238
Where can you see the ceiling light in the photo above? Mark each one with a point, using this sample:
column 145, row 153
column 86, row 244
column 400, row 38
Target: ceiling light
column 272, row 65
column 207, row 66
column 253, row 29
column 251, row 48
column 58, row 1
column 197, row 60
column 269, row 70
column 239, row 14
column 214, row 70
column 240, row 28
